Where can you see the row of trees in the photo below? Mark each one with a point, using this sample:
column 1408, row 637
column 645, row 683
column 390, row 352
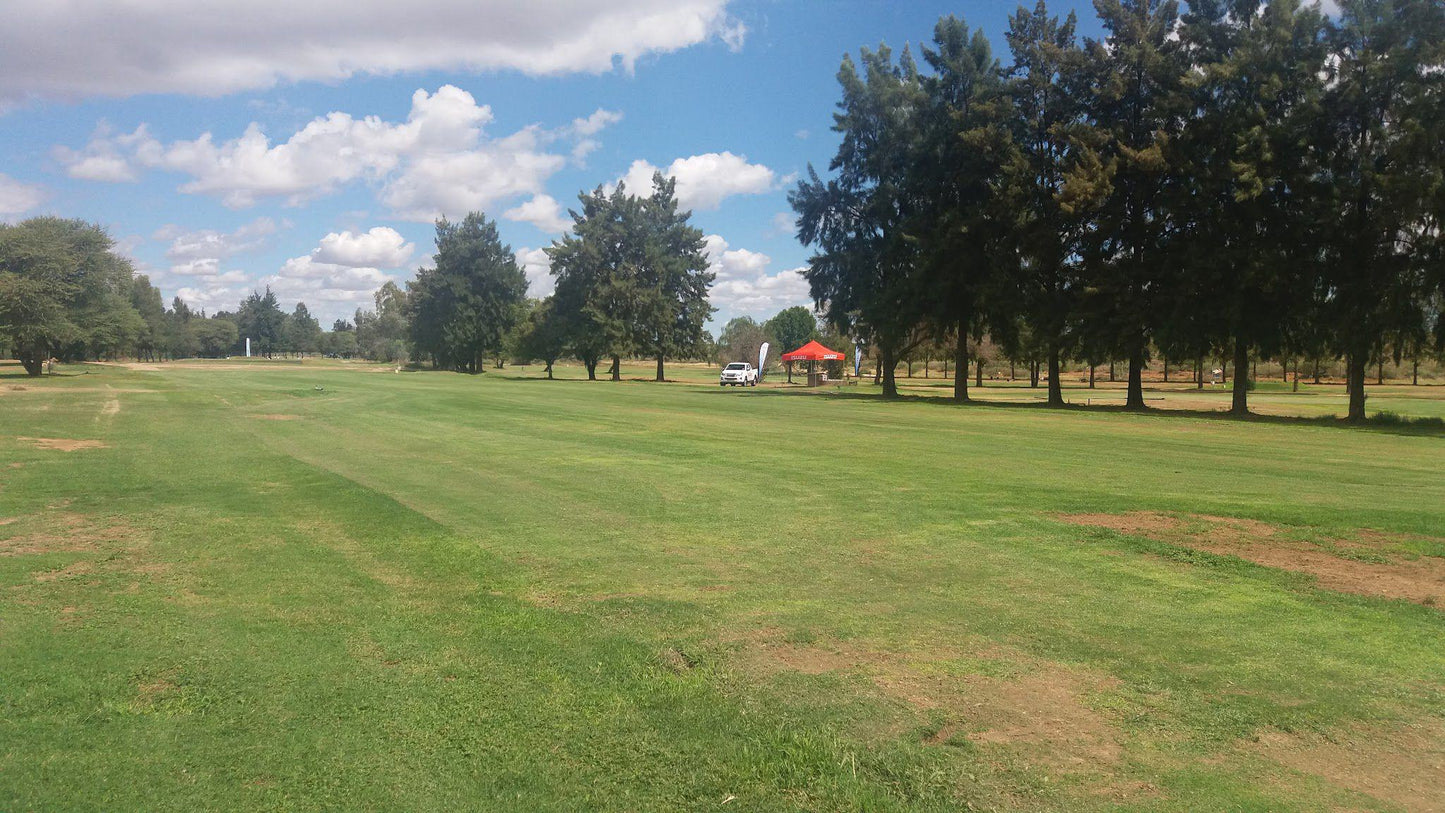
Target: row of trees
column 1249, row 178
column 631, row 276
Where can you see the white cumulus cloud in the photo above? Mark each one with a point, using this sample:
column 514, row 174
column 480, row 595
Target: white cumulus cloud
column 542, row 211
column 538, row 268
column 381, row 247
column 745, row 288
column 438, row 162
column 84, row 48
column 17, row 197
column 704, row 181
column 190, row 246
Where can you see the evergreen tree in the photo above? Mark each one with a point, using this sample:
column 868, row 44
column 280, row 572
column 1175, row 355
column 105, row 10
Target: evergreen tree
column 865, row 272
column 961, row 143
column 461, row 310
column 1137, row 107
column 1047, row 217
column 1381, row 163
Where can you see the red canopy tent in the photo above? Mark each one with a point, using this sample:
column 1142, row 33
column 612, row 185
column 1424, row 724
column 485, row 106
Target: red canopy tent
column 812, row 352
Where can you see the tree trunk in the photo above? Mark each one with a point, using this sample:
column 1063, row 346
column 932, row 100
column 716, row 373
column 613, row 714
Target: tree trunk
column 1317, row 371
column 1415, row 372
column 1296, row 376
column 910, row 368
column 660, row 376
column 1010, row 369
column 926, row 361
column 1355, row 383
column 616, row 368
column 1240, row 404
column 1166, row 369
column 789, row 365
column 1380, row 375
column 1111, row 371
column 878, row 370
column 978, row 379
column 1224, row 370
column 549, row 371
column 960, row 364
column 1091, row 376
column 33, row 364
column 1135, row 397
column 1033, row 374
column 1199, row 373
column 591, row 365
column 890, row 383
column 1056, row 387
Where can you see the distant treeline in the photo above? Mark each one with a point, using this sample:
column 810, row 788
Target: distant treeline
column 1247, row 179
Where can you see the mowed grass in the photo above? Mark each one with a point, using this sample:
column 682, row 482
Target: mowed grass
column 323, row 585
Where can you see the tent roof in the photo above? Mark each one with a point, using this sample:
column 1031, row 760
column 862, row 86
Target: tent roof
column 812, row 351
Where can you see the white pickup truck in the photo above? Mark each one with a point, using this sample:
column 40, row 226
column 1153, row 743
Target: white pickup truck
column 738, row 374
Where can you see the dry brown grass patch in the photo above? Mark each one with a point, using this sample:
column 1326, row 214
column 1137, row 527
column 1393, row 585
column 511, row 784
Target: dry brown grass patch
column 63, row 532
column 1038, row 709
column 1419, row 579
column 1403, row 766
column 62, row 444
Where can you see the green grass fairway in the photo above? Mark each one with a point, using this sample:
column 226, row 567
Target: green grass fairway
column 320, row 585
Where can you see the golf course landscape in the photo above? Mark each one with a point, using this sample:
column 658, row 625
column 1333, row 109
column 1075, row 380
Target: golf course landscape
column 320, row 584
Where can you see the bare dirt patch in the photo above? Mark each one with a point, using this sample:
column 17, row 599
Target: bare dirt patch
column 276, row 417
column 62, row 444
column 1404, row 766
column 1034, row 707
column 60, row 533
column 1387, row 574
column 72, row 569
column 111, row 408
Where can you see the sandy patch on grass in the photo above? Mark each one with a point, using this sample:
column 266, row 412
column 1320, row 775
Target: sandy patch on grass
column 1388, row 574
column 1037, row 708
column 111, row 408
column 73, row 569
column 62, row 444
column 1404, row 766
column 60, row 533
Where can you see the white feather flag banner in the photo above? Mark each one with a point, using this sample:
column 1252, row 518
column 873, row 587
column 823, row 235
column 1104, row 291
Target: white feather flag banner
column 762, row 357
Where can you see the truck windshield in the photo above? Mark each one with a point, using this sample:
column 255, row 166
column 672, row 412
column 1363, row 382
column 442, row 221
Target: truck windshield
column 737, row 366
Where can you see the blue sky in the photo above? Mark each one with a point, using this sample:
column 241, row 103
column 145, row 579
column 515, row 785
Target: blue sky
column 309, row 146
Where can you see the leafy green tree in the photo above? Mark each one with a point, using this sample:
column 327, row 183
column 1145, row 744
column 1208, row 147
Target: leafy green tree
column 461, row 311
column 792, row 328
column 865, row 271
column 741, row 339
column 381, row 334
column 146, row 300
column 214, row 337
column 180, row 340
column 63, row 292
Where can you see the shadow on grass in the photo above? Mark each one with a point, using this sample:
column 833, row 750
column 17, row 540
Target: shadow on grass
column 1384, row 422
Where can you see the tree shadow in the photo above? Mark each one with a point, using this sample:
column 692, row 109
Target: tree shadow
column 1391, row 425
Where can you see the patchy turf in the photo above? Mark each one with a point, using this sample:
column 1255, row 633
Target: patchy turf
column 429, row 590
